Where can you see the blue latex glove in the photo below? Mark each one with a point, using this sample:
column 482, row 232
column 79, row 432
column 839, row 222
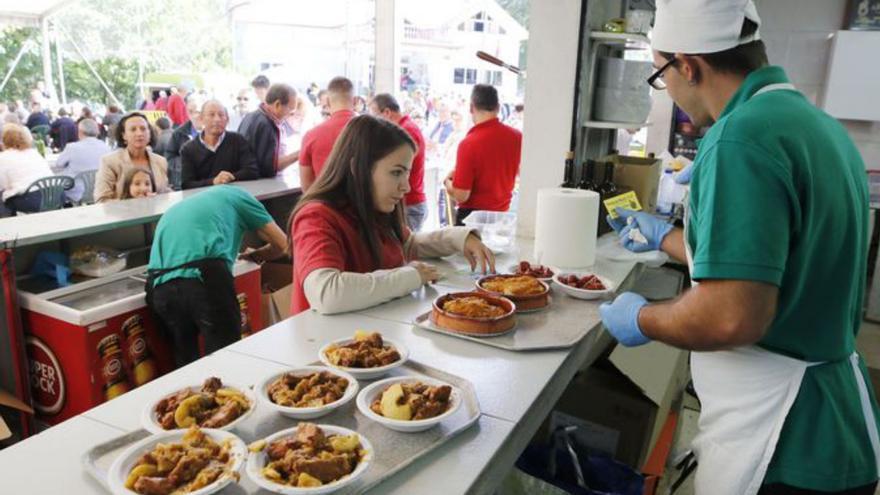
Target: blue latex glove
column 651, row 227
column 683, row 176
column 621, row 318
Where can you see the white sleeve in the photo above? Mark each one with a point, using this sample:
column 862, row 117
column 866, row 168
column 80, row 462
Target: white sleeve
column 329, row 290
column 439, row 243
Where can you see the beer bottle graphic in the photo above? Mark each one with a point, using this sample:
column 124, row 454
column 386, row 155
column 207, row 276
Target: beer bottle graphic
column 112, row 368
column 143, row 366
column 245, row 319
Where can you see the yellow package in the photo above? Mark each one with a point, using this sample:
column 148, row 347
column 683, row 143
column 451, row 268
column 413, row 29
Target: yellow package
column 627, row 200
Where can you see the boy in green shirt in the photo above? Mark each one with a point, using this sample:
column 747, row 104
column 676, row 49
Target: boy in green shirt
column 190, row 285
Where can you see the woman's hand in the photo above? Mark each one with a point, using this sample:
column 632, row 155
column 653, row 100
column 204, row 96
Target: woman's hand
column 427, row 272
column 477, row 253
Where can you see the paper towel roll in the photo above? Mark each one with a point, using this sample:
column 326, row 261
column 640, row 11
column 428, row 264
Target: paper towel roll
column 565, row 227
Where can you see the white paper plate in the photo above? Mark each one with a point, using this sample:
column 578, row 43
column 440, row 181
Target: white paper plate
column 371, row 393
column 365, row 373
column 547, row 280
column 583, row 293
column 149, row 419
column 258, row 460
column 307, row 412
column 125, row 462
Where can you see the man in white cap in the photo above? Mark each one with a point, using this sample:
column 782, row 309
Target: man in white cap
column 776, row 237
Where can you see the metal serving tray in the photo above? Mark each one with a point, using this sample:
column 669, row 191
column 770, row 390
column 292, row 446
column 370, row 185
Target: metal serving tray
column 393, row 450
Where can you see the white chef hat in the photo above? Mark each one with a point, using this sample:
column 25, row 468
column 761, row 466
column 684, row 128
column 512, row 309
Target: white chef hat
column 702, row 26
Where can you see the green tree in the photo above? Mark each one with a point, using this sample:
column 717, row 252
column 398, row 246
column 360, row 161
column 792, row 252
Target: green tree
column 519, row 10
column 29, row 69
column 169, row 35
column 120, row 75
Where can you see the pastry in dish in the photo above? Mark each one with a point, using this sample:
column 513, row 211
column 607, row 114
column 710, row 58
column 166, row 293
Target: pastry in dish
column 212, row 406
column 368, row 350
column 474, row 313
column 311, row 390
column 310, row 458
column 473, row 307
column 412, row 401
column 526, row 291
column 522, row 285
column 184, row 467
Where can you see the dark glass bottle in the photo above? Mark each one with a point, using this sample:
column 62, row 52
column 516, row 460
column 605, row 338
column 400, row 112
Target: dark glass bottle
column 588, row 172
column 607, row 188
column 568, row 178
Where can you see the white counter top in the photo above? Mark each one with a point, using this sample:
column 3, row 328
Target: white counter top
column 70, row 222
column 515, row 390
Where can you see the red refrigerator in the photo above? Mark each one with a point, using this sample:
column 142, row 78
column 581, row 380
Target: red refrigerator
column 93, row 341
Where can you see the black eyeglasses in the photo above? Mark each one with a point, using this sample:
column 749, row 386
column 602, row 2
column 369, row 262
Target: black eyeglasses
column 656, row 80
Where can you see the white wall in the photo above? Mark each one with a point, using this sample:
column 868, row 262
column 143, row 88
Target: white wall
column 553, row 41
column 798, row 37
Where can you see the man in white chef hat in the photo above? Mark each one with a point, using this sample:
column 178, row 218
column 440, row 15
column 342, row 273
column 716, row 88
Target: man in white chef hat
column 776, row 237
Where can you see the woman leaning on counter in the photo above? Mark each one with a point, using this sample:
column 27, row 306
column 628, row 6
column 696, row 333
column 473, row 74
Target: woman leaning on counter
column 351, row 246
column 134, row 135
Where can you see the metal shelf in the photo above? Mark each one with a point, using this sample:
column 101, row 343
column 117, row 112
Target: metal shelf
column 596, row 124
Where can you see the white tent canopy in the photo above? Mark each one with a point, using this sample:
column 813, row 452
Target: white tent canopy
column 30, row 13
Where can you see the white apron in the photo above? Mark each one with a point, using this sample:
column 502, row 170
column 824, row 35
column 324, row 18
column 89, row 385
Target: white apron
column 746, row 394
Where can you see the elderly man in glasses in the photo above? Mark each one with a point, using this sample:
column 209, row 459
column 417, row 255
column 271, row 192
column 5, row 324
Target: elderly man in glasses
column 776, row 239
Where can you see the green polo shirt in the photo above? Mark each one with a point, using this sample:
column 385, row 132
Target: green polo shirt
column 779, row 195
column 209, row 224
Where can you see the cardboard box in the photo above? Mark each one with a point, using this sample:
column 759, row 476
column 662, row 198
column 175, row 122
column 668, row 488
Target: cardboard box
column 277, row 289
column 9, row 400
column 642, row 175
column 613, row 415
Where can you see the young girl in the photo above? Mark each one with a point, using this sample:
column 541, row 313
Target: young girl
column 352, row 249
column 139, row 183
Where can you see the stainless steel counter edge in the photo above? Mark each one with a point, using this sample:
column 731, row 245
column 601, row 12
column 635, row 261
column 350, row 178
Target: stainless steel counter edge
column 72, row 222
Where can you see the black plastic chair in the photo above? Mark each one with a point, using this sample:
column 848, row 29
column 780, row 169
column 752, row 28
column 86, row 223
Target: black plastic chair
column 51, row 191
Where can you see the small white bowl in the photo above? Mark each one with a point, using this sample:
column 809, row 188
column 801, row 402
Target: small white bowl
column 369, row 394
column 125, row 462
column 583, row 293
column 512, row 269
column 150, row 422
column 351, row 391
column 365, row 373
column 258, row 460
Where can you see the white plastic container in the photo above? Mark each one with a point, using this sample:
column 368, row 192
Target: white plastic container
column 665, row 193
column 497, row 228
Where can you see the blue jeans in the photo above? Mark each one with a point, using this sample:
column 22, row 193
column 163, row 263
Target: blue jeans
column 415, row 215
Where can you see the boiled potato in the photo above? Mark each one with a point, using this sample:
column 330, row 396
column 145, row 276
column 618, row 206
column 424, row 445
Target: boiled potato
column 390, row 407
column 183, row 415
column 345, row 443
column 307, row 480
column 257, row 446
column 137, row 472
column 272, row 474
column 360, row 335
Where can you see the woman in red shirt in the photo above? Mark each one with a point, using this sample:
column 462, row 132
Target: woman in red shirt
column 351, row 246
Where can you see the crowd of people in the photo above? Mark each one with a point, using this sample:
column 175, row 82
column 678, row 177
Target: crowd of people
column 202, row 140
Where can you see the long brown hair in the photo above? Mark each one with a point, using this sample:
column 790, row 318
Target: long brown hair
column 347, row 178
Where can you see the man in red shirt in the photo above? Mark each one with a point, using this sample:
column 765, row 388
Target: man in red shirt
column 177, row 108
column 385, row 106
column 318, row 142
column 488, row 158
